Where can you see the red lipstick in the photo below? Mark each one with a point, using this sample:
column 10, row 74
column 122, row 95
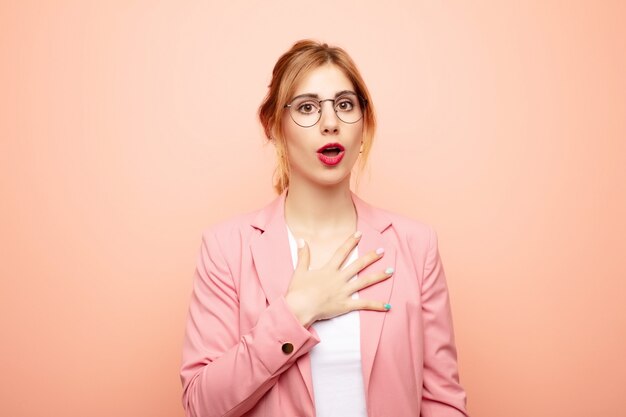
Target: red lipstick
column 331, row 153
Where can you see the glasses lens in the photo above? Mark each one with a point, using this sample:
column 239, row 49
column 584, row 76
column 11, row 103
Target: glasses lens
column 305, row 111
column 348, row 108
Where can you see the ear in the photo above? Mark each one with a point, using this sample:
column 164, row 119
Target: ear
column 273, row 136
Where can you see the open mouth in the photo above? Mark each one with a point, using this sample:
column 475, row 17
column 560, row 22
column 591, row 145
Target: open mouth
column 334, row 151
column 331, row 149
column 331, row 154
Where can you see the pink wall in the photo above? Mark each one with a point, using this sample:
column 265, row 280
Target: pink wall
column 127, row 127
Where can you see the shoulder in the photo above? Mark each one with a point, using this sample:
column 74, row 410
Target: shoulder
column 416, row 237
column 233, row 234
column 411, row 226
column 230, row 230
column 406, row 227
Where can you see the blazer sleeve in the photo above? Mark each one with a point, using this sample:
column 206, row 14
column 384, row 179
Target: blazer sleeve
column 442, row 394
column 224, row 373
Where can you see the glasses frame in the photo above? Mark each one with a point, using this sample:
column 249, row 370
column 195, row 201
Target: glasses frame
column 362, row 103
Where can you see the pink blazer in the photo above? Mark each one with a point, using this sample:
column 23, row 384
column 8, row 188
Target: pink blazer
column 233, row 363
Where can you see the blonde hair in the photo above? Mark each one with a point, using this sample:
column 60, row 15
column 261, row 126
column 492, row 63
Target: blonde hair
column 304, row 56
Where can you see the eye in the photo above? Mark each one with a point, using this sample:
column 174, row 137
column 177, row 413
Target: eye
column 345, row 104
column 307, row 107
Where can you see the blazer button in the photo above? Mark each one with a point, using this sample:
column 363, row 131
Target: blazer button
column 287, row 348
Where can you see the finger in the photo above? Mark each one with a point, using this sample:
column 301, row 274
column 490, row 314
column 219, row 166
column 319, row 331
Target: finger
column 303, row 255
column 360, row 283
column 360, row 304
column 344, row 250
column 363, row 261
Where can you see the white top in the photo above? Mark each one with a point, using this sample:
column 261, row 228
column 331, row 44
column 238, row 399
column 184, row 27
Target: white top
column 336, row 360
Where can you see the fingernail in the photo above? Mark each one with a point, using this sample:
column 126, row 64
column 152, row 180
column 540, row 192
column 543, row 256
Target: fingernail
column 387, row 306
column 357, row 234
column 300, row 243
column 380, row 251
column 389, row 270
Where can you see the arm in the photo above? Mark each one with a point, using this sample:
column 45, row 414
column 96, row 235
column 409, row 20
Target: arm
column 443, row 395
column 224, row 373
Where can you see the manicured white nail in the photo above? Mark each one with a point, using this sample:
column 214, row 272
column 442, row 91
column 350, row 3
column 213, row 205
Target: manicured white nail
column 357, row 234
column 389, row 270
column 300, row 243
column 380, row 251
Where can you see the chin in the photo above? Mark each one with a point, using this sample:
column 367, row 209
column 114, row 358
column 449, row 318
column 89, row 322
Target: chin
column 334, row 179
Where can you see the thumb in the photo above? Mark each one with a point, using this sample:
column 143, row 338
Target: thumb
column 303, row 255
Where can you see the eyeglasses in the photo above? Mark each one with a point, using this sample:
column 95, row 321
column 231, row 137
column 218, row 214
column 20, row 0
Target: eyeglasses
column 306, row 110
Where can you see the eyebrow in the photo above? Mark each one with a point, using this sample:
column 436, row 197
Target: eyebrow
column 311, row 95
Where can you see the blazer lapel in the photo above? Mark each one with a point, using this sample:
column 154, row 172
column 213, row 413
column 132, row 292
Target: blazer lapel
column 274, row 265
column 270, row 250
column 372, row 224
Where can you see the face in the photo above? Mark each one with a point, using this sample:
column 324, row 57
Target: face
column 303, row 143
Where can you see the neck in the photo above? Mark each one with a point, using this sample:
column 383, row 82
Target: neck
column 316, row 211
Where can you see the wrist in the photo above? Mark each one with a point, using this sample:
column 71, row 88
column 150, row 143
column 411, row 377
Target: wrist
column 300, row 310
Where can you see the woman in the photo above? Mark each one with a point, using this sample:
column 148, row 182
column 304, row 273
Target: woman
column 319, row 303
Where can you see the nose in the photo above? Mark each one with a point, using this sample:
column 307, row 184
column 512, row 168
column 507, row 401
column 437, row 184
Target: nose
column 329, row 122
